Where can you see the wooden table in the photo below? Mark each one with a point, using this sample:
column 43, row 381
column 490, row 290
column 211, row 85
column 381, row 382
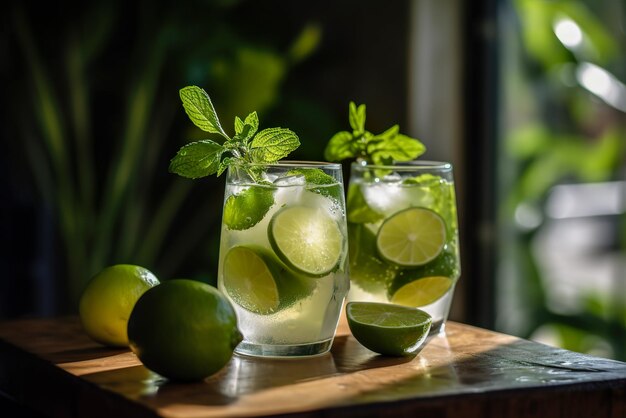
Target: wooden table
column 52, row 367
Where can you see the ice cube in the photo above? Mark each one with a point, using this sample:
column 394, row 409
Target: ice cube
column 392, row 178
column 295, row 180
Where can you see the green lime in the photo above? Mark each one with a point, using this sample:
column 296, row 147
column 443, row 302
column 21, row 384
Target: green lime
column 367, row 269
column 307, row 240
column 359, row 211
column 388, row 329
column 184, row 330
column 411, row 237
column 256, row 280
column 422, row 292
column 108, row 299
column 246, row 209
column 445, row 265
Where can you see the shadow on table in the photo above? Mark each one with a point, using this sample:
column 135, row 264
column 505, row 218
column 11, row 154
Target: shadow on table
column 351, row 374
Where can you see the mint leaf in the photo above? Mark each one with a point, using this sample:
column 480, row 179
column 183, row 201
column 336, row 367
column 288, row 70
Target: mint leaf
column 381, row 149
column 238, row 125
column 252, row 124
column 200, row 110
column 253, row 120
column 395, row 148
column 197, row 159
column 357, row 117
column 203, row 158
column 272, row 144
column 340, row 147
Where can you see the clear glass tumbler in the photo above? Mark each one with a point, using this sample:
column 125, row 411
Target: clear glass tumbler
column 283, row 255
column 403, row 234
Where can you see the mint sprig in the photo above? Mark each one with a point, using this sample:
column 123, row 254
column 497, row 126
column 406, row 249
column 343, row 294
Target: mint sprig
column 248, row 145
column 379, row 149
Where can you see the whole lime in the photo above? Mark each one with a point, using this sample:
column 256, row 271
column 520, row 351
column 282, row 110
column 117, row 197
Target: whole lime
column 184, row 330
column 108, row 299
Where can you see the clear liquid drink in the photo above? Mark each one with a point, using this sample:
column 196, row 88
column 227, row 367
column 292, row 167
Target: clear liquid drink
column 403, row 234
column 283, row 256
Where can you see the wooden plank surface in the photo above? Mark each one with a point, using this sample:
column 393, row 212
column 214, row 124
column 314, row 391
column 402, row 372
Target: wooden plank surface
column 51, row 366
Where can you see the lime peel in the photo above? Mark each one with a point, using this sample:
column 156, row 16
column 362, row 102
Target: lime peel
column 388, row 329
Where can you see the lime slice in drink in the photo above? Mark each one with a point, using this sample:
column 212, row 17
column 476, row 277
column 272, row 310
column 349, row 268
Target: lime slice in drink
column 246, row 209
column 306, row 239
column 411, row 237
column 257, row 281
column 422, row 292
column 367, row 270
column 388, row 329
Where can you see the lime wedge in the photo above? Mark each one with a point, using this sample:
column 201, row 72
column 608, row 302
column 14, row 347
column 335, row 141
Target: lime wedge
column 422, row 292
column 246, row 209
column 388, row 329
column 411, row 237
column 306, row 239
column 257, row 281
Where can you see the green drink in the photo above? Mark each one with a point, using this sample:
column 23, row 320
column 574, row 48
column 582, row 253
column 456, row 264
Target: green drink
column 403, row 234
column 283, row 255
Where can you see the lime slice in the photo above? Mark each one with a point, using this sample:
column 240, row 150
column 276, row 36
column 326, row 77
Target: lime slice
column 359, row 212
column 306, row 239
column 249, row 281
column 367, row 270
column 411, row 237
column 257, row 281
column 388, row 329
column 246, row 209
column 422, row 292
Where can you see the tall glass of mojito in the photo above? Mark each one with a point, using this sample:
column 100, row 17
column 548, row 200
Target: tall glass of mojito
column 283, row 255
column 403, row 234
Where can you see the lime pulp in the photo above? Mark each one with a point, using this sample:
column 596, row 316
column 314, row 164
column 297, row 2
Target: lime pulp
column 307, row 240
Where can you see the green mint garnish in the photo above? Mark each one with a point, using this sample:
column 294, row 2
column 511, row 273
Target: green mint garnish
column 207, row 157
column 380, row 149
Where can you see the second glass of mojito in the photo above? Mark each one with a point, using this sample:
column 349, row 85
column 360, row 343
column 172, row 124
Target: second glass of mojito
column 403, row 233
column 283, row 255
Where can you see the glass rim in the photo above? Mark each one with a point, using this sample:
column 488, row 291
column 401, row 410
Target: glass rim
column 291, row 163
column 405, row 165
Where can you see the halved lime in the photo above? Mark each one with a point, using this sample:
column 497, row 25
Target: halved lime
column 411, row 237
column 246, row 209
column 422, row 292
column 257, row 281
column 306, row 239
column 388, row 329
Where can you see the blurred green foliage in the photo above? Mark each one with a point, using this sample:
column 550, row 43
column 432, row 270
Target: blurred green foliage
column 98, row 116
column 565, row 134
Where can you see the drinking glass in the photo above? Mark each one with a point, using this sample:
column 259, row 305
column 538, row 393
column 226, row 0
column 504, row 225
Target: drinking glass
column 283, row 255
column 403, row 235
